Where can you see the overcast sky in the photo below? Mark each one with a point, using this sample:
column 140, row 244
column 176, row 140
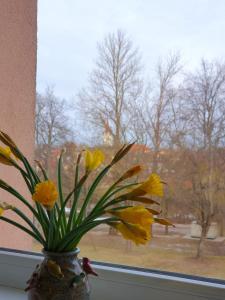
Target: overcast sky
column 68, row 31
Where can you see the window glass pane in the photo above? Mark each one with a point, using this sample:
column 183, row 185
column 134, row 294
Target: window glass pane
column 152, row 72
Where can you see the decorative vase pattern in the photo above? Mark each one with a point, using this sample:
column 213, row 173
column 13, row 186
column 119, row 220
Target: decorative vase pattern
column 60, row 276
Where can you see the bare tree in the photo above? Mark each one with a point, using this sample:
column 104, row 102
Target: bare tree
column 114, row 86
column 158, row 114
column 205, row 105
column 204, row 102
column 52, row 126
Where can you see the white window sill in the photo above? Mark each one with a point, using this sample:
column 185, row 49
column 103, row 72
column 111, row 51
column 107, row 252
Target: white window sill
column 112, row 282
column 11, row 293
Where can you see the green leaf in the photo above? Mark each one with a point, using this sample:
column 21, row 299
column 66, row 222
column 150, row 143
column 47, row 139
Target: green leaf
column 32, row 174
column 79, row 185
column 73, row 210
column 44, row 221
column 63, row 214
column 20, row 227
column 90, row 193
column 42, row 170
column 109, row 194
column 70, row 239
column 35, row 230
column 51, row 229
column 14, row 192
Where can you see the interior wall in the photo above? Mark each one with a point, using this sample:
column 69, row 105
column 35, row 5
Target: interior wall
column 18, row 48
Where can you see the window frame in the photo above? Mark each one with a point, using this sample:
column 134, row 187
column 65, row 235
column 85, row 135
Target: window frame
column 117, row 282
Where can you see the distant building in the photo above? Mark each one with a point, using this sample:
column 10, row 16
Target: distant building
column 107, row 135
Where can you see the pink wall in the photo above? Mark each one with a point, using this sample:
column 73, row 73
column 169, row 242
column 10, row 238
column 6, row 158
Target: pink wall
column 18, row 45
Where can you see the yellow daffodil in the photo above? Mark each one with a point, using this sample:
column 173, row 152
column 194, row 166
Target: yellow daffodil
column 133, row 232
column 5, row 156
column 135, row 215
column 4, row 206
column 131, row 172
column 4, row 138
column 1, row 211
column 46, row 194
column 135, row 223
column 152, row 186
column 93, row 159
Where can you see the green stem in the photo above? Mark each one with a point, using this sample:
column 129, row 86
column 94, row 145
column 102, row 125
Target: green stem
column 39, row 215
column 14, row 192
column 43, row 219
column 30, row 169
column 51, row 230
column 79, row 185
column 68, row 240
column 28, row 184
column 90, row 193
column 63, row 215
column 21, row 227
column 76, row 194
column 107, row 196
column 34, row 179
column 35, row 230
column 42, row 170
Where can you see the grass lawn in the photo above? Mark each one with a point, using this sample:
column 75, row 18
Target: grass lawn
column 113, row 249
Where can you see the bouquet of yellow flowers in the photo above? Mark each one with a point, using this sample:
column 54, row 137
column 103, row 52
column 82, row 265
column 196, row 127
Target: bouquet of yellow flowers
column 60, row 233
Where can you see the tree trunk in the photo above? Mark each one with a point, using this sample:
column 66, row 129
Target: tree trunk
column 166, row 215
column 201, row 242
column 166, row 230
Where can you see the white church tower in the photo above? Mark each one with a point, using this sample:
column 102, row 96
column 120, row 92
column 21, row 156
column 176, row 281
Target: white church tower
column 107, row 135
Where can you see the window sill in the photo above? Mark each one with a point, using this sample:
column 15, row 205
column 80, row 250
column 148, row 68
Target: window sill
column 11, row 293
column 112, row 282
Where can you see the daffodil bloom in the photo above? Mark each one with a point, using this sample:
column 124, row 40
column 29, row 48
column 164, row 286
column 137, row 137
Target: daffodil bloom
column 135, row 215
column 1, row 211
column 133, row 232
column 130, row 173
column 135, row 223
column 4, row 206
column 5, row 156
column 4, row 138
column 46, row 194
column 93, row 159
column 152, row 186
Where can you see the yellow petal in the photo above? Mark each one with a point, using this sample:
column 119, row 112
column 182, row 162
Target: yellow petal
column 133, row 232
column 93, row 159
column 88, row 159
column 98, row 158
column 1, row 211
column 5, row 156
column 136, row 215
column 152, row 186
column 4, row 206
column 46, row 193
column 4, row 138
